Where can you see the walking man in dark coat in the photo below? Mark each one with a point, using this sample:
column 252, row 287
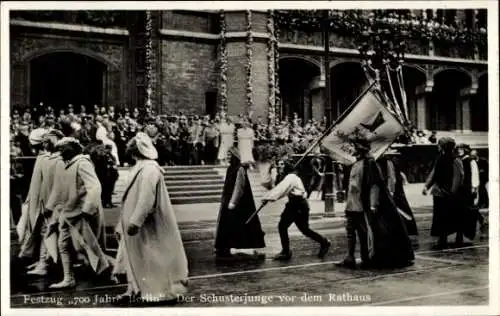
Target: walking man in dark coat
column 237, row 205
column 445, row 182
column 469, row 193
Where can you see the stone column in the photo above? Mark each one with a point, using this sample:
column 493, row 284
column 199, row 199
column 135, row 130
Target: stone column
column 422, row 95
column 237, row 61
column 316, row 87
column 464, row 109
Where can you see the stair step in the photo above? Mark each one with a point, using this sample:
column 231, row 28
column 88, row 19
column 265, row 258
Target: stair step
column 200, row 167
column 202, row 172
column 196, row 200
column 181, row 194
column 194, row 183
column 191, row 187
column 193, row 178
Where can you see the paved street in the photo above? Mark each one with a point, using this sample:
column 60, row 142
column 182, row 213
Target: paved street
column 452, row 276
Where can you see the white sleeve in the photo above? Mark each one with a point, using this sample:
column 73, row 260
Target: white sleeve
column 474, row 174
column 281, row 190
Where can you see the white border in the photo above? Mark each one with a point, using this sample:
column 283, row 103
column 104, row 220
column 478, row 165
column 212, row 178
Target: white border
column 494, row 307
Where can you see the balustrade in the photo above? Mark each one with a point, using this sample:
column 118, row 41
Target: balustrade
column 92, row 18
column 439, row 33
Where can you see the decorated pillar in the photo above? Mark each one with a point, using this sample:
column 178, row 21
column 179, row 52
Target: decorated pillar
column 271, row 65
column 223, row 64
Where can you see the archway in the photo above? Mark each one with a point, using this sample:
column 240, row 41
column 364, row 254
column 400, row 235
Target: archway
column 479, row 106
column 444, row 108
column 414, row 82
column 296, row 77
column 347, row 82
column 62, row 78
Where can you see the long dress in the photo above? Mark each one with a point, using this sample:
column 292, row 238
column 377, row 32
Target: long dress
column 388, row 242
column 226, row 140
column 154, row 259
column 394, row 180
column 232, row 232
column 246, row 138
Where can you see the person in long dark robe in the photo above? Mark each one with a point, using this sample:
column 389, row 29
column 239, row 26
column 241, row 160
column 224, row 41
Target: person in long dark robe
column 394, row 181
column 469, row 190
column 372, row 213
column 237, row 205
column 445, row 182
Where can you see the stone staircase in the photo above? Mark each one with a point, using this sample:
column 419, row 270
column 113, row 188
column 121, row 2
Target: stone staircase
column 193, row 184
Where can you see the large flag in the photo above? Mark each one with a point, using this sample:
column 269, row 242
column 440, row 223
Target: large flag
column 370, row 119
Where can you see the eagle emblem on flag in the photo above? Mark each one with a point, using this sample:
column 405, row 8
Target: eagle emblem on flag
column 368, row 119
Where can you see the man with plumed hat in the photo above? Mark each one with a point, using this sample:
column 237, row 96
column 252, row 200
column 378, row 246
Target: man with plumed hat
column 48, row 174
column 28, row 228
column 81, row 219
column 237, row 205
column 150, row 251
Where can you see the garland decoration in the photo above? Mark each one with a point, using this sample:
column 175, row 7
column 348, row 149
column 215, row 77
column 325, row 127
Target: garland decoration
column 354, row 22
column 277, row 93
column 150, row 75
column 223, row 63
column 249, row 44
column 270, row 66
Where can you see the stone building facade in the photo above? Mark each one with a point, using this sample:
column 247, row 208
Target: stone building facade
column 237, row 61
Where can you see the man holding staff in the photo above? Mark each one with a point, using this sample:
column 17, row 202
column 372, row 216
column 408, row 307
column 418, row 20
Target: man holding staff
column 296, row 211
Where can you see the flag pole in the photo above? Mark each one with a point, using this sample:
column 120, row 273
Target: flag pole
column 332, row 126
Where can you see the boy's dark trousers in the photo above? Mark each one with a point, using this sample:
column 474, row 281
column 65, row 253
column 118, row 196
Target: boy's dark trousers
column 297, row 211
column 355, row 222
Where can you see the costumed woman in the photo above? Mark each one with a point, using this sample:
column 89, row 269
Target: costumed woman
column 246, row 137
column 394, row 181
column 150, row 251
column 237, row 205
column 226, row 138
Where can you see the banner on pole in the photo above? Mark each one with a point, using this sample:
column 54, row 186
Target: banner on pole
column 368, row 119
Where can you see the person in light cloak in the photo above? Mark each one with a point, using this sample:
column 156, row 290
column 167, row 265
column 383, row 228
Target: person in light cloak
column 150, row 251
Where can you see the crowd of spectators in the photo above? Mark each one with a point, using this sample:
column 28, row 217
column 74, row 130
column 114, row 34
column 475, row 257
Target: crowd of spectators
column 180, row 140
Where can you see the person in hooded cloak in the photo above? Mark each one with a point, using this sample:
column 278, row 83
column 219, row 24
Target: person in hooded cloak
column 150, row 251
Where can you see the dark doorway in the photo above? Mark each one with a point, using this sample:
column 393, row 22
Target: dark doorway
column 348, row 81
column 59, row 79
column 211, row 103
column 296, row 75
